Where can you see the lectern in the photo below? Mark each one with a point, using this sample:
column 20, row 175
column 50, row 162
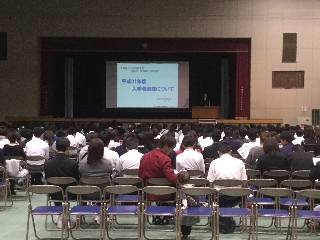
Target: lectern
column 205, row 112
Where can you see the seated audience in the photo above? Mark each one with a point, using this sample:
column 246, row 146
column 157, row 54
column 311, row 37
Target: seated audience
column 234, row 144
column 299, row 159
column 286, row 138
column 226, row 167
column 242, row 136
column 131, row 159
column 272, row 159
column 48, row 137
column 37, row 147
column 108, row 154
column 309, row 139
column 257, row 151
column 190, row 159
column 212, row 150
column 299, row 138
column 27, row 134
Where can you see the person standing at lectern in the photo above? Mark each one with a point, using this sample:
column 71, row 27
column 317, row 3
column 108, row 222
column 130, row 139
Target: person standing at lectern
column 205, row 100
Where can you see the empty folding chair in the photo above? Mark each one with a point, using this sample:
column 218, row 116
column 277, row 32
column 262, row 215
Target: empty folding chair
column 4, row 190
column 116, row 209
column 253, row 174
column 311, row 214
column 44, row 210
column 301, row 174
column 200, row 211
column 242, row 212
column 276, row 212
column 80, row 210
column 148, row 210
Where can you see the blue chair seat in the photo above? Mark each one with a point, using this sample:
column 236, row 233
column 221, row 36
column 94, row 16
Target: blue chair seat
column 127, row 198
column 160, row 210
column 203, row 199
column 47, row 210
column 197, row 211
column 261, row 201
column 273, row 212
column 122, row 210
column 253, row 188
column 3, row 183
column 85, row 210
column 288, row 201
column 234, row 212
column 308, row 214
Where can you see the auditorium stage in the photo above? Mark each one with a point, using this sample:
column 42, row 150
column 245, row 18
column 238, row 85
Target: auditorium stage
column 132, row 120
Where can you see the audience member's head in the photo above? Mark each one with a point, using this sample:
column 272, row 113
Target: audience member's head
column 242, row 132
column 183, row 177
column 299, row 132
column 286, row 137
column 62, row 144
column 228, row 132
column 37, row 132
column 131, row 143
column 95, row 151
column 105, row 136
column 252, row 134
column 13, row 136
column 188, row 141
column 28, row 134
column 223, row 148
column 90, row 136
column 167, row 143
column 216, row 135
column 270, row 145
column 49, row 137
column 72, row 130
column 263, row 137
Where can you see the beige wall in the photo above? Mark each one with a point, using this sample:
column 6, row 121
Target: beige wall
column 264, row 21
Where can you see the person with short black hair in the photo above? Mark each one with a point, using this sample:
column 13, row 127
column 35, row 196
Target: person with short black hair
column 61, row 166
column 286, row 138
column 189, row 158
column 226, row 167
column 13, row 148
column 37, row 147
column 299, row 138
column 73, row 141
column 242, row 136
column 157, row 164
column 27, row 134
column 212, row 150
column 234, row 144
column 131, row 159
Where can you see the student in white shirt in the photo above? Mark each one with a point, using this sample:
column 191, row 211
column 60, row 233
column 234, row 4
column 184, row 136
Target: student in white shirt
column 131, row 159
column 37, row 147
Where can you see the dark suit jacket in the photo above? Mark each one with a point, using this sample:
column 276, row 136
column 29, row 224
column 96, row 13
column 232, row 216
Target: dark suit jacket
column 234, row 144
column 211, row 151
column 61, row 166
column 300, row 160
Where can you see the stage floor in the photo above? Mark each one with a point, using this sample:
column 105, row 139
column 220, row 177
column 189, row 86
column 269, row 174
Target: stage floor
column 131, row 120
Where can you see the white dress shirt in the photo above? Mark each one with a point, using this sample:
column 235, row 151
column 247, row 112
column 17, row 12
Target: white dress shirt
column 205, row 142
column 298, row 140
column 113, row 144
column 130, row 160
column 112, row 156
column 226, row 167
column 73, row 143
column 190, row 159
column 4, row 142
column 37, row 147
column 81, row 139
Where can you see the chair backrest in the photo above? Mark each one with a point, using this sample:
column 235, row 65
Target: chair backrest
column 276, row 192
column 158, row 182
column 134, row 171
column 61, row 181
column 127, row 181
column 34, row 158
column 279, row 175
column 159, row 190
column 83, row 190
column 236, row 192
column 94, row 181
column 296, row 184
column 195, row 172
column 227, row 182
column 199, row 182
column 317, row 185
column 261, row 183
column 301, row 174
column 198, row 191
column 310, row 194
column 45, row 189
column 253, row 173
column 3, row 174
column 121, row 189
column 14, row 157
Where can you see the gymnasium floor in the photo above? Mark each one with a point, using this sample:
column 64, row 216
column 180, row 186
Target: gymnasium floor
column 13, row 223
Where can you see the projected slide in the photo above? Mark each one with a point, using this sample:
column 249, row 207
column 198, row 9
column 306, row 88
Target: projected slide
column 147, row 85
